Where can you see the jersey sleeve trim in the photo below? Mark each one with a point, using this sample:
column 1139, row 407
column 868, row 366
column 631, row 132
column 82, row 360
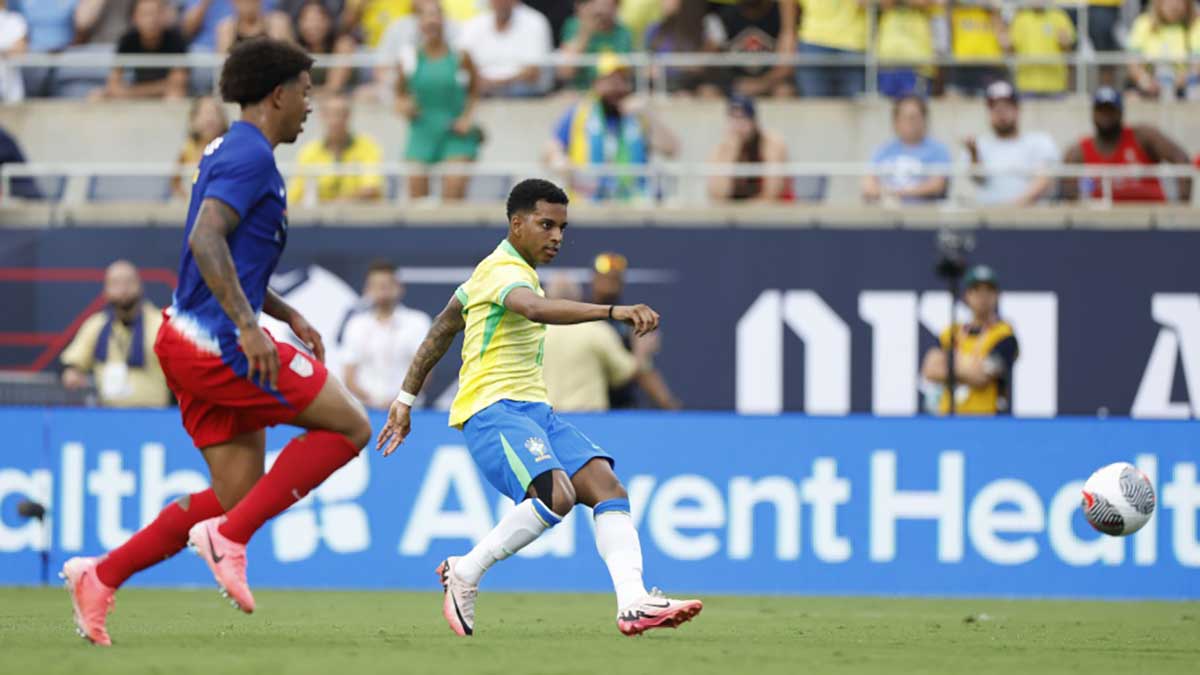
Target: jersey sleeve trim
column 509, row 288
column 461, row 294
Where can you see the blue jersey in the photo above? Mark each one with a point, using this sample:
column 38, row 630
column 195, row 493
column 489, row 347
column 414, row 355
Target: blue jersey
column 239, row 170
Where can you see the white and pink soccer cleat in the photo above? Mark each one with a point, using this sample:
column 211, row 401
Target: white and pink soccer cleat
column 90, row 599
column 225, row 559
column 458, row 603
column 656, row 610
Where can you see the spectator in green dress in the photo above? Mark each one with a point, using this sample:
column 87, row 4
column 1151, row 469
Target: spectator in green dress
column 436, row 90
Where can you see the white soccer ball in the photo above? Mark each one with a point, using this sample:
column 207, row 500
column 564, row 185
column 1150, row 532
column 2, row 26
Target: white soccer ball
column 1118, row 499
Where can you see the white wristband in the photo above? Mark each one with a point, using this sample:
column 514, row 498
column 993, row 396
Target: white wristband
column 406, row 398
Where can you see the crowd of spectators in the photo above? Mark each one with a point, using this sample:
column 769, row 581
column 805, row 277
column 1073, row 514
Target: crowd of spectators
column 511, row 42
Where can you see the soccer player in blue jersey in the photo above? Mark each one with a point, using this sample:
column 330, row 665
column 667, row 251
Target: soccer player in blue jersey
column 231, row 377
column 539, row 460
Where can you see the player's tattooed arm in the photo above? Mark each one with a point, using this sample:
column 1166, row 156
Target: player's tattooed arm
column 446, row 326
column 211, row 251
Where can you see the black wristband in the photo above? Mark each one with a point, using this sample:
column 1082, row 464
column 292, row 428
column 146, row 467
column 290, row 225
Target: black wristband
column 610, row 311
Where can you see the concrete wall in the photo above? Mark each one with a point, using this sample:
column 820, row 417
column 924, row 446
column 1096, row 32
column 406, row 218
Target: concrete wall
column 843, row 131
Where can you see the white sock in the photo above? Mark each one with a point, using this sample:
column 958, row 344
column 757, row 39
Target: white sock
column 514, row 532
column 618, row 544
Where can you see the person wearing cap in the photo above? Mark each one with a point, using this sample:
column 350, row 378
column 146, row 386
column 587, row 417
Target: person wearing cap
column 607, row 127
column 1115, row 144
column 984, row 353
column 1016, row 164
column 746, row 142
column 902, row 162
column 608, row 283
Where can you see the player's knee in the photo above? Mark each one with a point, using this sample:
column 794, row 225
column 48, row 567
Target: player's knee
column 564, row 494
column 554, row 489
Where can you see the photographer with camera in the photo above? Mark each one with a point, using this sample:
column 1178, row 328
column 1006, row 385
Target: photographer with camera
column 984, row 353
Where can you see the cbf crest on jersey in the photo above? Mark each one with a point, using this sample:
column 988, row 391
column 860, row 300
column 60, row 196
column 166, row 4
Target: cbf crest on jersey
column 537, row 448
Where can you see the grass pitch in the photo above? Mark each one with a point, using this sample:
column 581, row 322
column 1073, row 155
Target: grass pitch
column 194, row 631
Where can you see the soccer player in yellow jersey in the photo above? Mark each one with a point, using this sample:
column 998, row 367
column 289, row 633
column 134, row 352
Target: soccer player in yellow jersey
column 540, row 461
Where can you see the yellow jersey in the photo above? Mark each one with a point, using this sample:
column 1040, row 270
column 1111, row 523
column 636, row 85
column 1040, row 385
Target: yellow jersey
column 1035, row 33
column 502, row 350
column 905, row 35
column 377, row 15
column 362, row 150
column 996, row 339
column 1165, row 42
column 837, row 24
column 973, row 33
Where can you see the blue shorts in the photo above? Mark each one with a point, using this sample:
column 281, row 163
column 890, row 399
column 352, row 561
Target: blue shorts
column 514, row 442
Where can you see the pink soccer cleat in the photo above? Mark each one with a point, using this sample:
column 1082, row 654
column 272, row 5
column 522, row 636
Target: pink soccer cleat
column 656, row 610
column 90, row 598
column 458, row 604
column 225, row 559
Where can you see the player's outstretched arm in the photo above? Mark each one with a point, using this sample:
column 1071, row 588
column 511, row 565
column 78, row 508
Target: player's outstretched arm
column 446, row 326
column 534, row 307
column 211, row 252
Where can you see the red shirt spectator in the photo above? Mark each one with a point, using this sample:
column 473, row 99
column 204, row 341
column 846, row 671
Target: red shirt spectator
column 1115, row 144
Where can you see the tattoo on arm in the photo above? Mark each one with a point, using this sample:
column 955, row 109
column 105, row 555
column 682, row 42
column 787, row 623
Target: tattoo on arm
column 207, row 243
column 448, row 324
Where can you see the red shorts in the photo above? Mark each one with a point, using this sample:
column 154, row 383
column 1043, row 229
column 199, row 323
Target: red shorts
column 218, row 404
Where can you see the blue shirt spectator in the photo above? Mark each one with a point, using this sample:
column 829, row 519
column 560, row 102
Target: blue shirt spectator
column 51, row 23
column 904, row 162
column 201, row 18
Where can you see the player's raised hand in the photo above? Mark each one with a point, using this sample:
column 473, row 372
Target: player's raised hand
column 399, row 423
column 261, row 355
column 643, row 319
column 308, row 335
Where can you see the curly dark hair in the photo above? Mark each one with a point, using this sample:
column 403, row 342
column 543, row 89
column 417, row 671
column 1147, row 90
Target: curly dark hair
column 525, row 196
column 255, row 67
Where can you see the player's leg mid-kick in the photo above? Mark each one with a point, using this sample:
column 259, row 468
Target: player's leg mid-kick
column 526, row 452
column 232, row 378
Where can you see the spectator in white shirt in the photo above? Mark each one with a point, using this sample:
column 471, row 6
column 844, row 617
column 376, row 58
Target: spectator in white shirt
column 14, row 34
column 1020, row 162
column 507, row 44
column 379, row 343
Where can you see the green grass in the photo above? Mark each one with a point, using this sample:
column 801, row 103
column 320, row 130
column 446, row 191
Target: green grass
column 192, row 631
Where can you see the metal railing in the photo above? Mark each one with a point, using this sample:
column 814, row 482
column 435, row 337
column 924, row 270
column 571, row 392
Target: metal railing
column 661, row 181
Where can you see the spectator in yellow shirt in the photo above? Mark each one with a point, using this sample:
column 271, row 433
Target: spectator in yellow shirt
column 830, row 29
column 1165, row 35
column 904, row 40
column 370, row 18
column 115, row 346
column 976, row 30
column 339, row 146
column 1041, row 31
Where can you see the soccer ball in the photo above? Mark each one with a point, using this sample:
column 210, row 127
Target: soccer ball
column 1118, row 499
